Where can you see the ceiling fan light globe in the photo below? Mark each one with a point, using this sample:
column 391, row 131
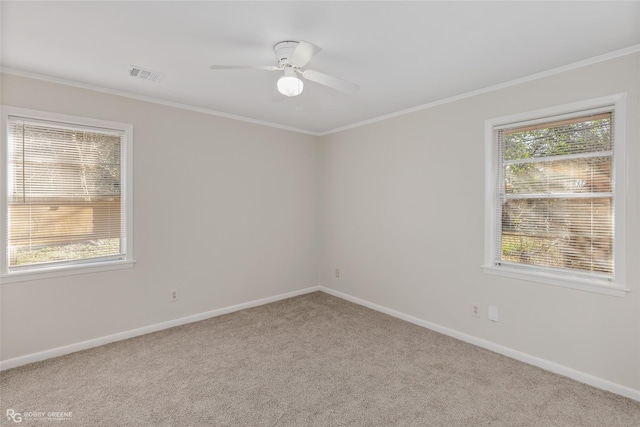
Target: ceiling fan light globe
column 290, row 86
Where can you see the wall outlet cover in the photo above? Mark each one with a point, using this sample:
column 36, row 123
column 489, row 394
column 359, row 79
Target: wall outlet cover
column 494, row 314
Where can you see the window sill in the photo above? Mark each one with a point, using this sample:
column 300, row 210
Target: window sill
column 571, row 282
column 67, row 270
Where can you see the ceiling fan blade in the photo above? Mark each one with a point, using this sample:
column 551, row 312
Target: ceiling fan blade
column 332, row 82
column 303, row 54
column 244, row 67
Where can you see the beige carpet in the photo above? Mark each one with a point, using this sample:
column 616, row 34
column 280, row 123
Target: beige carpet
column 313, row 360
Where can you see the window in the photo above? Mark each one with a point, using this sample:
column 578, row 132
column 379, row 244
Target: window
column 555, row 196
column 66, row 197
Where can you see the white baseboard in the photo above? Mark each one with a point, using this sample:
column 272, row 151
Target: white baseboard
column 96, row 342
column 514, row 354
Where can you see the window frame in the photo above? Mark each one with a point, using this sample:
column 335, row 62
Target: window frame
column 73, row 267
column 568, row 279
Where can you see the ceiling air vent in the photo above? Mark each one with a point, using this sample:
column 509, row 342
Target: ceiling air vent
column 145, row 74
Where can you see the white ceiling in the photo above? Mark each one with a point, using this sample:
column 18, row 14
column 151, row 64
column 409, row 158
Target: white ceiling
column 402, row 54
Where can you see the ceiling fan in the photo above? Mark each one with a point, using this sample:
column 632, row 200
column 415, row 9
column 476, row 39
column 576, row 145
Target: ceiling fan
column 291, row 57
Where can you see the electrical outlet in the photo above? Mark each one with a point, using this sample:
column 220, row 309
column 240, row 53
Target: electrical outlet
column 493, row 313
column 337, row 272
column 475, row 310
column 173, row 296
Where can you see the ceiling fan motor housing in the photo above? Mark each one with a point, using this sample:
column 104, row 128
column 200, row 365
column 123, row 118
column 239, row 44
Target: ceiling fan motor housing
column 283, row 51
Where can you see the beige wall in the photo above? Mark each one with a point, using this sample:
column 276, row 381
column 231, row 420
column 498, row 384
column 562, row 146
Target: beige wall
column 224, row 212
column 401, row 215
column 397, row 205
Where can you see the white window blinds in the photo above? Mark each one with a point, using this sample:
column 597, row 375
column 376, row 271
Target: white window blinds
column 555, row 190
column 64, row 193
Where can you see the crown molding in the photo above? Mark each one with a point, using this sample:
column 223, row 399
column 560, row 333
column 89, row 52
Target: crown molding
column 97, row 88
column 558, row 70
